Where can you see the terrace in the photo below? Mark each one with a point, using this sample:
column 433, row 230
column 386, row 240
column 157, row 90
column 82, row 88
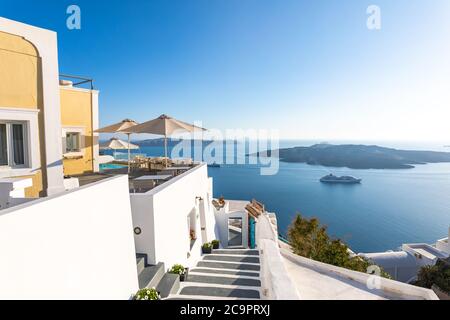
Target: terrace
column 145, row 174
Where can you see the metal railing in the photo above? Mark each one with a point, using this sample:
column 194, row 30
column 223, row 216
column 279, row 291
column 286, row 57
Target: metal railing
column 78, row 80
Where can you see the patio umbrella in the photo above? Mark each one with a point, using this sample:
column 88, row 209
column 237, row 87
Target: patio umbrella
column 120, row 127
column 117, row 144
column 165, row 126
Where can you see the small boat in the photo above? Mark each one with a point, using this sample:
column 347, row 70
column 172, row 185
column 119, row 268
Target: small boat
column 331, row 178
column 214, row 165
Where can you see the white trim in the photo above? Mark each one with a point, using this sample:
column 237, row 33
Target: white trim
column 78, row 89
column 20, row 111
column 8, row 172
column 95, row 135
column 31, row 139
column 81, row 131
column 73, row 155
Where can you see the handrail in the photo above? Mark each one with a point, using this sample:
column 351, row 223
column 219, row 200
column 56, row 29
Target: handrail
column 83, row 80
column 283, row 238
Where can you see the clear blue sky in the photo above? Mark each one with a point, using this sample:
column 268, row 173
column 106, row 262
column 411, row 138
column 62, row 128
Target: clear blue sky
column 311, row 69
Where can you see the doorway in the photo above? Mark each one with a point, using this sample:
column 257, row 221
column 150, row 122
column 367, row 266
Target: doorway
column 234, row 232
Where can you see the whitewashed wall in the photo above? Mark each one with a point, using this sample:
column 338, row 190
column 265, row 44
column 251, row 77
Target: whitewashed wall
column 162, row 215
column 275, row 281
column 75, row 245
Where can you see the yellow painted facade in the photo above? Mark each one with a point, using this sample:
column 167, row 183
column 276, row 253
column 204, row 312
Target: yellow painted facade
column 21, row 87
column 76, row 112
column 36, row 190
column 20, row 73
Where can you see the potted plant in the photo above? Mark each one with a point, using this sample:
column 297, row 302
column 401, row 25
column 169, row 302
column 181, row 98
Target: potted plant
column 207, row 248
column 147, row 294
column 222, row 201
column 215, row 244
column 180, row 270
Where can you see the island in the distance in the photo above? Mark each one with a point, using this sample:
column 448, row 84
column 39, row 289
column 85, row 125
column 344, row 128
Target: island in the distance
column 358, row 156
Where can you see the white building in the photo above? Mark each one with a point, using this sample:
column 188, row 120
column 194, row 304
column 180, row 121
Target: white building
column 404, row 265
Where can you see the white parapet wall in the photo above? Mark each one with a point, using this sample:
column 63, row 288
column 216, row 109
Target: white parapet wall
column 74, row 245
column 357, row 285
column 276, row 283
column 165, row 215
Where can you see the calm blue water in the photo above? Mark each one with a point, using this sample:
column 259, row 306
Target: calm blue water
column 389, row 208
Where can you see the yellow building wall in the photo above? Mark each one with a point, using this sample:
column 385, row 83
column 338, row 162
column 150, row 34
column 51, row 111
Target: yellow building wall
column 20, row 86
column 76, row 111
column 20, row 73
column 36, row 190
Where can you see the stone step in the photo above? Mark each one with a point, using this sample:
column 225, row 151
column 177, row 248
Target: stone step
column 223, row 280
column 225, row 265
column 248, row 252
column 219, row 292
column 231, row 258
column 169, row 284
column 151, row 275
column 141, row 262
column 228, row 272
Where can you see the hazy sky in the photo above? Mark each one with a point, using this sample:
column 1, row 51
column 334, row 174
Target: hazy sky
column 310, row 69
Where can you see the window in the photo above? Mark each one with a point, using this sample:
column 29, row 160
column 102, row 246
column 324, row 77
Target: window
column 3, row 145
column 18, row 144
column 72, row 142
column 13, row 146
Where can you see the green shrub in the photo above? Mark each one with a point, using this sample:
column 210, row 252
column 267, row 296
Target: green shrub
column 308, row 238
column 438, row 275
column 177, row 269
column 215, row 242
column 147, row 294
column 207, row 245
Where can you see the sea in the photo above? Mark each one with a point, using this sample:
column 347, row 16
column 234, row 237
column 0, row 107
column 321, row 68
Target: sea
column 389, row 208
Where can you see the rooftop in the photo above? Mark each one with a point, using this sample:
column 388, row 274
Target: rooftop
column 424, row 250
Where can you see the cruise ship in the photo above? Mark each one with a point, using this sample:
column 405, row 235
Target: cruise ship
column 344, row 179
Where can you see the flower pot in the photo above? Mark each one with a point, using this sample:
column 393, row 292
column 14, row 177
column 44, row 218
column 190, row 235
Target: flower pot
column 216, row 246
column 184, row 277
column 207, row 250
